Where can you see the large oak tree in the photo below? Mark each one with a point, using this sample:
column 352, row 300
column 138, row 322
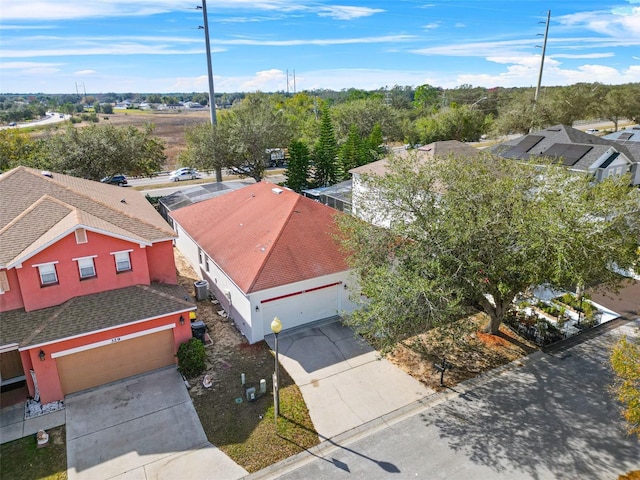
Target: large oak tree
column 477, row 232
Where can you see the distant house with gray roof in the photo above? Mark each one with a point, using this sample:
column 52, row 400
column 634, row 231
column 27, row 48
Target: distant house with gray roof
column 577, row 150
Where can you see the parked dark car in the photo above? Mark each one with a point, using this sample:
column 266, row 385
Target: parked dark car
column 119, row 180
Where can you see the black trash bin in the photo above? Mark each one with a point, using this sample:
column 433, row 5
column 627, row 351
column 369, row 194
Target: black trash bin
column 198, row 329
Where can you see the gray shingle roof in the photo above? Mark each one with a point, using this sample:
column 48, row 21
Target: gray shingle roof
column 422, row 154
column 34, row 206
column 90, row 313
column 554, row 137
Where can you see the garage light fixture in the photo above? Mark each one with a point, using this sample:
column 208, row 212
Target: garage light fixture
column 42, row 355
column 181, row 320
column 257, row 308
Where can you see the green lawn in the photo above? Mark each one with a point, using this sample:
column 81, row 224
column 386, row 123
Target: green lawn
column 22, row 460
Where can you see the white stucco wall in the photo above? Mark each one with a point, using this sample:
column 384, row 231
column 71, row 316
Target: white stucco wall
column 260, row 323
column 240, row 307
column 364, row 204
column 187, row 247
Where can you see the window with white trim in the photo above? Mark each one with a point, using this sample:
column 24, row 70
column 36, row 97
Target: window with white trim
column 4, row 281
column 123, row 261
column 86, row 267
column 48, row 275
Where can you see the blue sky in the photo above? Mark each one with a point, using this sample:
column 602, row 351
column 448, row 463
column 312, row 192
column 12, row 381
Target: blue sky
column 50, row 46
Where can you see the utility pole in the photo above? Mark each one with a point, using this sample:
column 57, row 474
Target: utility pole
column 212, row 96
column 544, row 49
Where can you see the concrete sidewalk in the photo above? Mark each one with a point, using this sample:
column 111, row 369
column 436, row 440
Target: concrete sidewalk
column 13, row 425
column 343, row 380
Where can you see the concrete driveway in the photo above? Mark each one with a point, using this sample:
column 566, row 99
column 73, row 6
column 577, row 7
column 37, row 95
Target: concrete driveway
column 552, row 418
column 342, row 379
column 141, row 428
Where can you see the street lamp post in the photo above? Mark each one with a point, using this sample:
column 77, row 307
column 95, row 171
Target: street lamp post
column 276, row 327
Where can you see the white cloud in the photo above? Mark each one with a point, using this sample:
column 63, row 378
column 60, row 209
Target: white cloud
column 319, row 42
column 21, row 65
column 347, row 13
column 582, row 55
column 460, row 25
column 78, row 9
column 431, row 26
column 525, row 74
column 504, row 48
column 266, row 81
column 84, row 72
column 618, row 22
column 51, row 46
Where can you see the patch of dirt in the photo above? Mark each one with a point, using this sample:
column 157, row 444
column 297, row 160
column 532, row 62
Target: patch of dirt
column 244, row 430
column 227, row 340
column 465, row 346
column 57, row 436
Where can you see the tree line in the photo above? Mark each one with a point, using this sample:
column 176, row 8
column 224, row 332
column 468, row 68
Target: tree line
column 327, row 133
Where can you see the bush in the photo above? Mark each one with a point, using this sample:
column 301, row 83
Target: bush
column 191, row 358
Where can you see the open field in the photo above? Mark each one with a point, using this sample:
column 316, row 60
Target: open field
column 169, row 126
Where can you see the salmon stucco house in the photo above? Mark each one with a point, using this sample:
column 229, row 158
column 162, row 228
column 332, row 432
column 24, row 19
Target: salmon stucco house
column 88, row 286
column 267, row 251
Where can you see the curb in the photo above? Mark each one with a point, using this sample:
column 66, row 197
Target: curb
column 340, row 441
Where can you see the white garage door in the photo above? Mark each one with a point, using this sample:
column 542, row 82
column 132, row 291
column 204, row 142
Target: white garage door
column 303, row 308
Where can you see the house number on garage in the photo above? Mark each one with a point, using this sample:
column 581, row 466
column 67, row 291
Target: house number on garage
column 115, row 340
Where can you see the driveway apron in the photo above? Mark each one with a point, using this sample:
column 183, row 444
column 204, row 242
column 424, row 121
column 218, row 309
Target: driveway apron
column 343, row 380
column 142, row 428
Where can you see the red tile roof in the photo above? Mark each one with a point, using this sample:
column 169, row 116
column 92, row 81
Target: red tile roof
column 263, row 239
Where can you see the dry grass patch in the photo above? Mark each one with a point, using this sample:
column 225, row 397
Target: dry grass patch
column 464, row 345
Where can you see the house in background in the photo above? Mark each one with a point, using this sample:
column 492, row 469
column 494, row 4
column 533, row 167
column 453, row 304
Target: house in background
column 577, row 150
column 88, row 286
column 364, row 201
column 266, row 251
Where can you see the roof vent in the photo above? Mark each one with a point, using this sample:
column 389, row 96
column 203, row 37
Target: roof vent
column 47, row 173
column 277, row 191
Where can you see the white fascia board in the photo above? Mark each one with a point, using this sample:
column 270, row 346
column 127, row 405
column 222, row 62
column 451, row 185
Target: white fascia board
column 58, row 340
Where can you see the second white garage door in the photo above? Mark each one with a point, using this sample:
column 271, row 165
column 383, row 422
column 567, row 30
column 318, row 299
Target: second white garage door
column 303, row 308
column 109, row 363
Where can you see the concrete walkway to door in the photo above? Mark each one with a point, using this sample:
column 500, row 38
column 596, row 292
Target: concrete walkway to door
column 141, row 428
column 342, row 379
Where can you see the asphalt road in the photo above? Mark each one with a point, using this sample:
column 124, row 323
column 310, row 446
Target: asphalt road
column 50, row 119
column 552, row 418
column 172, row 187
